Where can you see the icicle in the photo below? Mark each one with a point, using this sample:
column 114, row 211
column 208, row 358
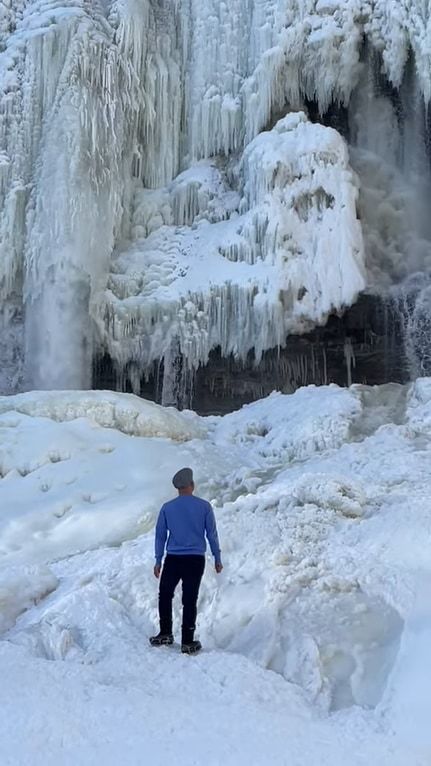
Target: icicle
column 350, row 360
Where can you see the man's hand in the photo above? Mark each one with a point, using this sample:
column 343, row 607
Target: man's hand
column 157, row 570
column 219, row 567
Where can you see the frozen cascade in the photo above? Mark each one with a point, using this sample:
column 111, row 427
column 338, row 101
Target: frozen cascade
column 76, row 76
column 413, row 302
column 60, row 180
column 390, row 152
column 163, row 194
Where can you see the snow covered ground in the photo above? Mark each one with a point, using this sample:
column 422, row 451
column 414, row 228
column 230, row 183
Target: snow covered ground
column 316, row 634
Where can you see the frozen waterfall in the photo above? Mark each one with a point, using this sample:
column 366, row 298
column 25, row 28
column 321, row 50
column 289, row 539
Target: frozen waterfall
column 172, row 183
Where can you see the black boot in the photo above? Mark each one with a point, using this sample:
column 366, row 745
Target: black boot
column 188, row 644
column 162, row 639
column 192, row 647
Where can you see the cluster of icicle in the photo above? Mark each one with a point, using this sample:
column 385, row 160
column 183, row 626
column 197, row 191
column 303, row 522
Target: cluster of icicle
column 104, row 104
column 276, row 258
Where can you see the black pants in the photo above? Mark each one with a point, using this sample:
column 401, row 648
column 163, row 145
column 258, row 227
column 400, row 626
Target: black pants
column 189, row 569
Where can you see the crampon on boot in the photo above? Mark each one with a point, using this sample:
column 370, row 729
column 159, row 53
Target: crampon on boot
column 192, row 647
column 162, row 639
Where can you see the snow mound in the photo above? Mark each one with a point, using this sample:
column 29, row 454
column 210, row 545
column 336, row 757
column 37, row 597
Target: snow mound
column 123, row 412
column 351, row 647
column 22, row 588
column 79, row 470
column 292, row 427
column 68, row 487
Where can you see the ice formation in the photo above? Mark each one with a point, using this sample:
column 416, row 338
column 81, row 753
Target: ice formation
column 162, row 192
column 290, row 254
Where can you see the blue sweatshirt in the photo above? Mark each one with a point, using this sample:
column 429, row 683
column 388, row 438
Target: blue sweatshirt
column 187, row 519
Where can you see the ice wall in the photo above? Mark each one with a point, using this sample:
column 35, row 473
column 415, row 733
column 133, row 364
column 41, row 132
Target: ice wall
column 153, row 207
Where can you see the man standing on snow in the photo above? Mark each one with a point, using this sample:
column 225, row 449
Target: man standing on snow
column 187, row 520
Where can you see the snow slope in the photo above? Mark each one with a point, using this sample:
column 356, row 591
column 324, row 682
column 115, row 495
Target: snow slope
column 317, row 631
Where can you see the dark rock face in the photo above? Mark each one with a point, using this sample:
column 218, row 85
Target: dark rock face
column 364, row 345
